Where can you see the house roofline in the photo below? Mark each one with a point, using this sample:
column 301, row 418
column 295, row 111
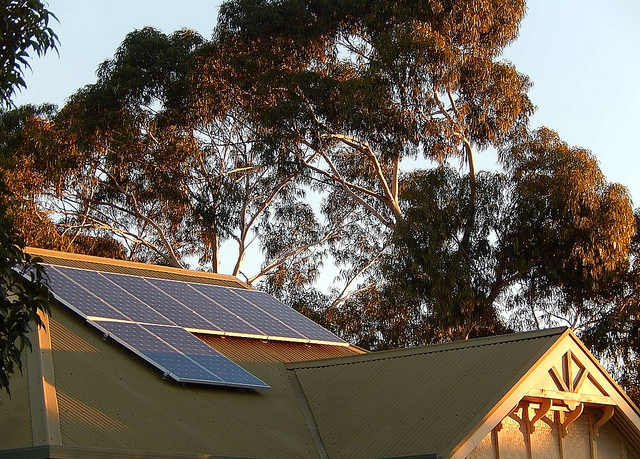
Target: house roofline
column 131, row 264
column 427, row 349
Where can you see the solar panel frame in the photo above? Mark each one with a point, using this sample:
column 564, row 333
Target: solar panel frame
column 302, row 324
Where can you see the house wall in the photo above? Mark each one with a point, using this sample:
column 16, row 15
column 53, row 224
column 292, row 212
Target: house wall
column 514, row 439
column 15, row 422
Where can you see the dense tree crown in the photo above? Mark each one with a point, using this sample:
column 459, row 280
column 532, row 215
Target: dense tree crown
column 340, row 133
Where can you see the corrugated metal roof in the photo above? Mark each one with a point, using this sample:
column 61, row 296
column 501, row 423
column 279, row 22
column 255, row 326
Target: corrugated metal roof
column 348, row 404
column 110, row 399
column 135, row 269
column 414, row 401
column 242, row 350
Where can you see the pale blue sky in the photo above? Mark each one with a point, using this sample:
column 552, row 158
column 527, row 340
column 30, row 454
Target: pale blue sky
column 582, row 55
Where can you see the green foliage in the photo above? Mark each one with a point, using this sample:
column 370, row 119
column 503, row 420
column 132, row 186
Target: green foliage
column 25, row 28
column 23, row 287
column 23, row 294
column 155, row 160
column 571, row 227
column 615, row 336
column 347, row 91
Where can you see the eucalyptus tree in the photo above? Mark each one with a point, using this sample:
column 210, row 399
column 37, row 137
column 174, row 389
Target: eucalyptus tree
column 352, row 89
column 165, row 166
column 572, row 228
column 184, row 143
column 551, row 244
column 616, row 336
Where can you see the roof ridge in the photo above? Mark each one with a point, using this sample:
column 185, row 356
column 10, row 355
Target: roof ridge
column 429, row 348
column 129, row 264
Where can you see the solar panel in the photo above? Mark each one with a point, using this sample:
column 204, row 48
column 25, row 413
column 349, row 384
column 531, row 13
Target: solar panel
column 170, row 307
column 268, row 324
column 78, row 298
column 178, row 354
column 152, row 317
column 156, row 351
column 201, row 307
column 302, row 324
column 117, row 297
column 210, row 311
column 198, row 351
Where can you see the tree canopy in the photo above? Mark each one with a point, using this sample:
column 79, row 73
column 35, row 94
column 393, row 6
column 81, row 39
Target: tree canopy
column 341, row 133
column 549, row 246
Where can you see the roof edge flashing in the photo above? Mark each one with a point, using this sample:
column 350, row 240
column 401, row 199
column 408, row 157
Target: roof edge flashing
column 429, row 348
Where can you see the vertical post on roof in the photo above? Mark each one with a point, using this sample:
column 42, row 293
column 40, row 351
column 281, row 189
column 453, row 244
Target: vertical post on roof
column 45, row 419
column 592, row 436
column 526, row 419
column 558, row 419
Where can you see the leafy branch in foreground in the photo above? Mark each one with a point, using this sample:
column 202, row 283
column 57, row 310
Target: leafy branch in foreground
column 23, row 295
column 25, row 27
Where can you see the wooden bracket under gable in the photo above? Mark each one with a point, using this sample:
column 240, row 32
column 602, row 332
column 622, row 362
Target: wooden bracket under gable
column 545, row 407
column 570, row 418
column 608, row 412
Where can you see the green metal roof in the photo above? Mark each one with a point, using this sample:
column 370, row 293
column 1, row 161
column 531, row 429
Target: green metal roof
column 110, row 399
column 412, row 401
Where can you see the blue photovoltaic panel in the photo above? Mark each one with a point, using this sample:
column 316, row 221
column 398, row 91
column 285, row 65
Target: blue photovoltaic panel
column 118, row 298
column 179, row 354
column 150, row 316
column 75, row 295
column 302, row 324
column 269, row 325
column 166, row 305
column 158, row 352
column 206, row 308
column 201, row 353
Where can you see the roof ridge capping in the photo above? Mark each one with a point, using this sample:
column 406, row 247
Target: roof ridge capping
column 130, row 264
column 431, row 348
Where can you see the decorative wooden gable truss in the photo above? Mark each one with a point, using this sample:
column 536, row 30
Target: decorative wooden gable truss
column 560, row 408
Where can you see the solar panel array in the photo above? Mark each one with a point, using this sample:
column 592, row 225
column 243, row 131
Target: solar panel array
column 154, row 317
